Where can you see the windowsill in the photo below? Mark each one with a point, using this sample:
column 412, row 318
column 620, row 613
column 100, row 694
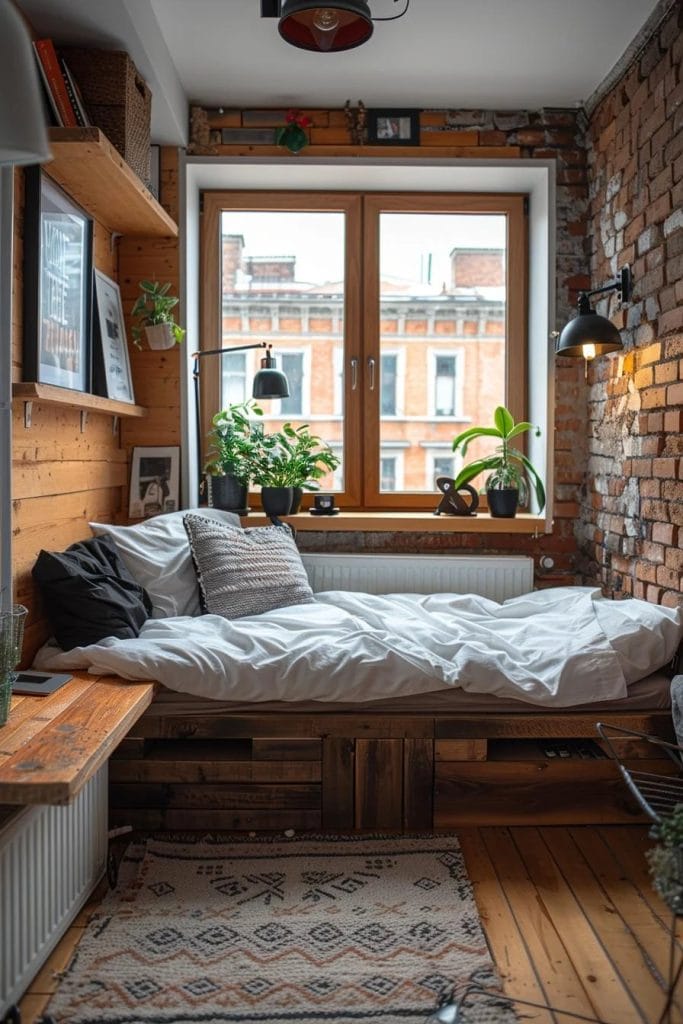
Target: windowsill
column 409, row 522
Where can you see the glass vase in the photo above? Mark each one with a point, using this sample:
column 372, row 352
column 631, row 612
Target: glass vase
column 11, row 640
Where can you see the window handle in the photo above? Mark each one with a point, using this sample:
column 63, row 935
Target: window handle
column 371, row 368
column 354, row 373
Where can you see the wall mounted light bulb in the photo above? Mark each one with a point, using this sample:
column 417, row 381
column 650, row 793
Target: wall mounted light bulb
column 589, row 351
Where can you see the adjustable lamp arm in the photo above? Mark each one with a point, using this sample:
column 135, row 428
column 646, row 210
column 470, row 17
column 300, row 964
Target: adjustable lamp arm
column 622, row 284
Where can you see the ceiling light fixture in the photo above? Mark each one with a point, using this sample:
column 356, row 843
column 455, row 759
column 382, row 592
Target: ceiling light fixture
column 589, row 335
column 325, row 27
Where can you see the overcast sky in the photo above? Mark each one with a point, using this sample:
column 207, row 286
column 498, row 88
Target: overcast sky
column 407, row 240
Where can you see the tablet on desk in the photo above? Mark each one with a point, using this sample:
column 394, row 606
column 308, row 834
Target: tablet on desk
column 38, row 683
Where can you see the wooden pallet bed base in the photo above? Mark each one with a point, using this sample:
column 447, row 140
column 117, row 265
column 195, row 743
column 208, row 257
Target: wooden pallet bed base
column 347, row 771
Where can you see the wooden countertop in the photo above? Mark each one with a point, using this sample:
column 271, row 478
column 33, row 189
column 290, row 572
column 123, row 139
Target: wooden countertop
column 50, row 746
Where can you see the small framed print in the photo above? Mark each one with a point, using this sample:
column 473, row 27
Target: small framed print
column 57, row 286
column 154, row 482
column 394, row 127
column 111, row 365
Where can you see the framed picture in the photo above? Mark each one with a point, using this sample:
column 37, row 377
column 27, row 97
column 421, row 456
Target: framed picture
column 394, row 127
column 111, row 365
column 57, row 286
column 154, row 482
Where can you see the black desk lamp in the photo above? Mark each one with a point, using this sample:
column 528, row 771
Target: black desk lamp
column 269, row 382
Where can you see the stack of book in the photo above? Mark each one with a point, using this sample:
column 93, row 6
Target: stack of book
column 61, row 90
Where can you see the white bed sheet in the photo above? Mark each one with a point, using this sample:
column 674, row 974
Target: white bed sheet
column 554, row 648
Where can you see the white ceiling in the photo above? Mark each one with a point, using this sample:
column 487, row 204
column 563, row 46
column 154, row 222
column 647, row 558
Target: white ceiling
column 503, row 54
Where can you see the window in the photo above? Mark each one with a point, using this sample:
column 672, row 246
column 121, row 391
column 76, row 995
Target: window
column 234, row 378
column 388, row 472
column 389, row 384
column 395, row 317
column 444, row 388
column 443, row 466
column 293, row 369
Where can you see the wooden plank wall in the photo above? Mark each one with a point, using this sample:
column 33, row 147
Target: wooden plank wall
column 64, row 477
column 61, row 477
column 156, row 375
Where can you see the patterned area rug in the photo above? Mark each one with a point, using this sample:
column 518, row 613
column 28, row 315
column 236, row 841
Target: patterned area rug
column 278, row 932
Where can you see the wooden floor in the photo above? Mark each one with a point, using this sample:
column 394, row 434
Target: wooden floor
column 570, row 916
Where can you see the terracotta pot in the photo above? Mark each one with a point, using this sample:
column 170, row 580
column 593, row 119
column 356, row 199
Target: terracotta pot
column 160, row 336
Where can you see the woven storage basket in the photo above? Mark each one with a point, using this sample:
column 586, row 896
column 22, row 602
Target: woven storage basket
column 117, row 100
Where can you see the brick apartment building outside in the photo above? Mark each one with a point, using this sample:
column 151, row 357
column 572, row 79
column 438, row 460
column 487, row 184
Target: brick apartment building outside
column 442, row 355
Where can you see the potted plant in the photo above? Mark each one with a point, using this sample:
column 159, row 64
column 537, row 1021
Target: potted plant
column 310, row 460
column 153, row 310
column 510, row 469
column 272, row 472
column 666, row 859
column 235, row 441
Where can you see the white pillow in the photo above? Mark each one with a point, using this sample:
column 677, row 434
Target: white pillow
column 157, row 553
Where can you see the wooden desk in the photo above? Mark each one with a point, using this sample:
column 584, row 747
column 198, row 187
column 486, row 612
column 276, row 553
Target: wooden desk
column 52, row 745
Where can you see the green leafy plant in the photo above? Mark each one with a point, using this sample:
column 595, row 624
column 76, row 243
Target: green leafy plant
column 293, row 457
column 509, row 466
column 154, row 306
column 666, row 859
column 235, row 442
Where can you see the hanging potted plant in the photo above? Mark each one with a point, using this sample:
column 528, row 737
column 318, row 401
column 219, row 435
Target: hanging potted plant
column 153, row 311
column 507, row 487
column 235, row 440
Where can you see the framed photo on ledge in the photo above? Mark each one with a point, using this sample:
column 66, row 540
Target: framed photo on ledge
column 57, row 286
column 394, row 127
column 111, row 365
column 154, row 482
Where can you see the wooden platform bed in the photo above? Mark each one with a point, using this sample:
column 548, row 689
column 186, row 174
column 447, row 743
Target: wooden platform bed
column 193, row 763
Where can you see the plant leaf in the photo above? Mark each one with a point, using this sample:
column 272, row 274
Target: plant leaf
column 503, row 420
column 536, row 480
column 520, row 428
column 462, row 440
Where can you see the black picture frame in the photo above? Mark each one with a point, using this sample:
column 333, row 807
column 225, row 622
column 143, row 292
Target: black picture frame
column 394, row 127
column 58, row 284
column 111, row 364
column 154, row 481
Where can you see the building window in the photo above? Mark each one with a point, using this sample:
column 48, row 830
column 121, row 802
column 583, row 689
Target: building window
column 443, row 466
column 388, row 472
column 389, row 384
column 233, row 379
column 445, row 385
column 293, row 369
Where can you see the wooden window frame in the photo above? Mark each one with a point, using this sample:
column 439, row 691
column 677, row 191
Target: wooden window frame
column 361, row 405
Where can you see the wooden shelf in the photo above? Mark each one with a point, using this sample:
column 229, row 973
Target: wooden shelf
column 50, row 394
column 96, row 176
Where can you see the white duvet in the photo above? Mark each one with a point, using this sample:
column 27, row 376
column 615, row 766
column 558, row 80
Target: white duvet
column 555, row 648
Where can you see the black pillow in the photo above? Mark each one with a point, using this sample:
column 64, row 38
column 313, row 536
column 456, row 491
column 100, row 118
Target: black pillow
column 90, row 594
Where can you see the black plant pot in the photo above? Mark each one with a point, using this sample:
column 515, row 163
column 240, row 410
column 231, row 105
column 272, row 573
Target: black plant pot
column 503, row 502
column 276, row 501
column 297, row 495
column 229, row 494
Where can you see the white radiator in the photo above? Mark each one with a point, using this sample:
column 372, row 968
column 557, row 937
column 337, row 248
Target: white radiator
column 50, row 860
column 495, row 576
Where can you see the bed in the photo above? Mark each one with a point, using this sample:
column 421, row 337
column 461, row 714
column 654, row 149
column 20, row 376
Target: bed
column 342, row 710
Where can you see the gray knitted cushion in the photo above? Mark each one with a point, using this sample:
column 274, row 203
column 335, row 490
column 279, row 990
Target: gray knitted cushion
column 246, row 572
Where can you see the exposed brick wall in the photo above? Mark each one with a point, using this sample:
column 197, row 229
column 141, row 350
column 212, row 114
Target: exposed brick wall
column 631, row 512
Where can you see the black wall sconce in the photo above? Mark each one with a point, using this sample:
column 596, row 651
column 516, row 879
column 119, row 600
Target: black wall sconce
column 269, row 382
column 589, row 335
column 324, row 26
